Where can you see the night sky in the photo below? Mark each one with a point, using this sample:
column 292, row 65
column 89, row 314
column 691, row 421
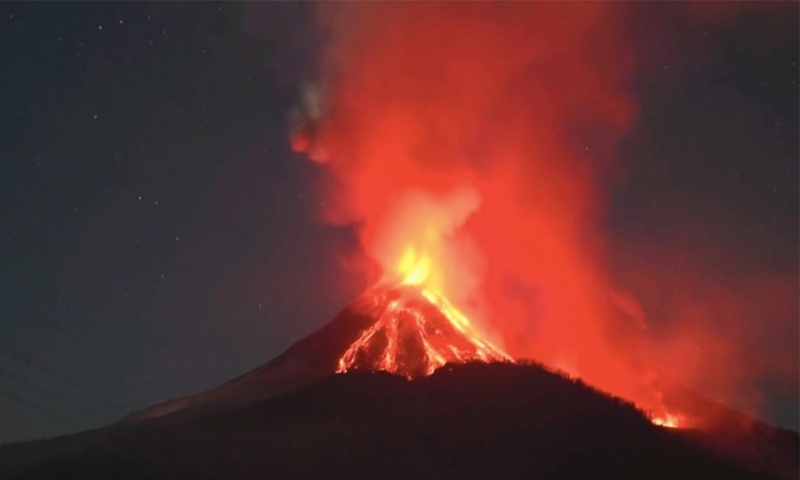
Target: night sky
column 159, row 236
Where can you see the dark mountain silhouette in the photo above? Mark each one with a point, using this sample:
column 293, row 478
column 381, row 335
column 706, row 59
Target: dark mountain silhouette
column 294, row 418
column 469, row 421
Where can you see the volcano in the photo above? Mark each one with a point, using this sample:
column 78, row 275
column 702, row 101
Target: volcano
column 403, row 329
column 400, row 384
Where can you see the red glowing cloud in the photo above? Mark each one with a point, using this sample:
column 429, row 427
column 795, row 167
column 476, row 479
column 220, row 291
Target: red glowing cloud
column 481, row 135
column 456, row 130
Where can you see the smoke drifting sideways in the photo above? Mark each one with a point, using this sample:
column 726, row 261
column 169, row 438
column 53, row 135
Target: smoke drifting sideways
column 462, row 131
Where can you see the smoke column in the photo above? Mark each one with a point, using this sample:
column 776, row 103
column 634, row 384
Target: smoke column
column 484, row 135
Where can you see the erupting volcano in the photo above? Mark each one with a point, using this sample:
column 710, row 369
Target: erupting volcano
column 415, row 332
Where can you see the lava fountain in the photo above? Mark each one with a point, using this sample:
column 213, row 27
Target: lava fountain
column 417, row 330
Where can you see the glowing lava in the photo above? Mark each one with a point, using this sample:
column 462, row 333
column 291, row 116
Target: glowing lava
column 416, row 329
column 667, row 420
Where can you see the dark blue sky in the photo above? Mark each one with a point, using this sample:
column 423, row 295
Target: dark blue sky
column 159, row 237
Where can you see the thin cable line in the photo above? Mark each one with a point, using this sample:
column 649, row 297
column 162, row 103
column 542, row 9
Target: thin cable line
column 109, row 403
column 57, row 396
column 35, row 406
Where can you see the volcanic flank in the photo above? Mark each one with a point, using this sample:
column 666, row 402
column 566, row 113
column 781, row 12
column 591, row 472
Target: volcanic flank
column 416, row 382
column 402, row 373
column 404, row 329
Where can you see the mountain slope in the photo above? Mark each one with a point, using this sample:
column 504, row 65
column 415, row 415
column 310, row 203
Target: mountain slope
column 306, row 360
column 402, row 329
column 292, row 417
column 497, row 421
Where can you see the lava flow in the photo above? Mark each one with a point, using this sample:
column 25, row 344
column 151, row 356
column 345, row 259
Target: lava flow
column 668, row 420
column 416, row 329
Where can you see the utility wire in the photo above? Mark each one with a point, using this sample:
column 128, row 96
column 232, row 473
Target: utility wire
column 113, row 446
column 36, row 406
column 116, row 407
column 58, row 396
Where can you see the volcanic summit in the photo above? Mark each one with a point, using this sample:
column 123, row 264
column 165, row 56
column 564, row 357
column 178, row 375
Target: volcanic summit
column 415, row 332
